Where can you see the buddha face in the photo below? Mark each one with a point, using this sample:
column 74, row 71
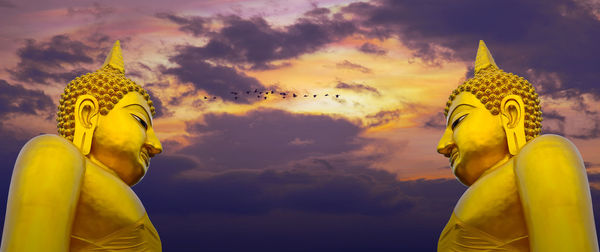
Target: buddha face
column 474, row 139
column 124, row 140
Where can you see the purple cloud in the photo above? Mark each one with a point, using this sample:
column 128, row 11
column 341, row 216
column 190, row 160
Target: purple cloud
column 556, row 36
column 17, row 99
column 357, row 87
column 257, row 43
column 50, row 61
column 372, row 49
column 349, row 65
column 228, row 141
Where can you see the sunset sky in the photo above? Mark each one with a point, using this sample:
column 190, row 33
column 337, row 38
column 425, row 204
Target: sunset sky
column 357, row 172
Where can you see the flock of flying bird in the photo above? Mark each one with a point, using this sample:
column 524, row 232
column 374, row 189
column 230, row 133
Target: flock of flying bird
column 264, row 94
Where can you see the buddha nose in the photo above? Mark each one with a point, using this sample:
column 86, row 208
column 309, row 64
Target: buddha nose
column 446, row 143
column 152, row 143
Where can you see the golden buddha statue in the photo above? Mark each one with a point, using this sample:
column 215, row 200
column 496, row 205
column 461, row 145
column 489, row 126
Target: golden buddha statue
column 72, row 192
column 527, row 192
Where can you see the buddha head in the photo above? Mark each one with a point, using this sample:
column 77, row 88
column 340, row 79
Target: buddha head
column 489, row 118
column 109, row 118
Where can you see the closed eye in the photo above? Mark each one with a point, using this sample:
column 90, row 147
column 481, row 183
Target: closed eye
column 457, row 121
column 141, row 121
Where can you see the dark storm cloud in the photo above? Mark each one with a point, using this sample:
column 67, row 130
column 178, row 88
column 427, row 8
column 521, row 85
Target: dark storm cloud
column 349, row 65
column 257, row 43
column 350, row 209
column 557, row 36
column 32, row 74
column 41, row 62
column 307, row 204
column 372, row 49
column 59, row 50
column 17, row 99
column 215, row 79
column 97, row 10
column 260, row 192
column 357, row 87
column 263, row 138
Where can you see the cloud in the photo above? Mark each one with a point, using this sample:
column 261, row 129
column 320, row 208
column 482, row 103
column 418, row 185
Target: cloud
column 383, row 117
column 311, row 209
column 554, row 123
column 349, row 65
column 215, row 79
column 97, row 10
column 261, row 138
column 17, row 99
column 259, row 192
column 197, row 26
column 304, row 204
column 57, row 60
column 372, row 49
column 257, row 43
column 357, row 87
column 555, row 39
column 572, row 114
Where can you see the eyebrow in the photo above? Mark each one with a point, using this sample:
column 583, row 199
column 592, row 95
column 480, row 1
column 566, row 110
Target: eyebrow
column 145, row 112
column 454, row 110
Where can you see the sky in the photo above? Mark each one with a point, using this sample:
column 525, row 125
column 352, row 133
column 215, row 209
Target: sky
column 346, row 160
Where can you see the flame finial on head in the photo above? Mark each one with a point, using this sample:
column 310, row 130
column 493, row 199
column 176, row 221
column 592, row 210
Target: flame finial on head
column 115, row 58
column 484, row 58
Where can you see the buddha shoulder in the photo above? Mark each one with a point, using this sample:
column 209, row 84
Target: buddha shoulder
column 51, row 151
column 548, row 153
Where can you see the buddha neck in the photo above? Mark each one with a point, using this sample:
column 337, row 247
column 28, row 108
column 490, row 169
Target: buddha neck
column 97, row 163
column 502, row 162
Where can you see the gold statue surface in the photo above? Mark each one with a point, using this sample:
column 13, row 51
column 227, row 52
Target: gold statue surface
column 72, row 192
column 527, row 192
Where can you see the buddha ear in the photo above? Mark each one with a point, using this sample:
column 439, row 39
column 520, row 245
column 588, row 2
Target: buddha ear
column 512, row 110
column 86, row 120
